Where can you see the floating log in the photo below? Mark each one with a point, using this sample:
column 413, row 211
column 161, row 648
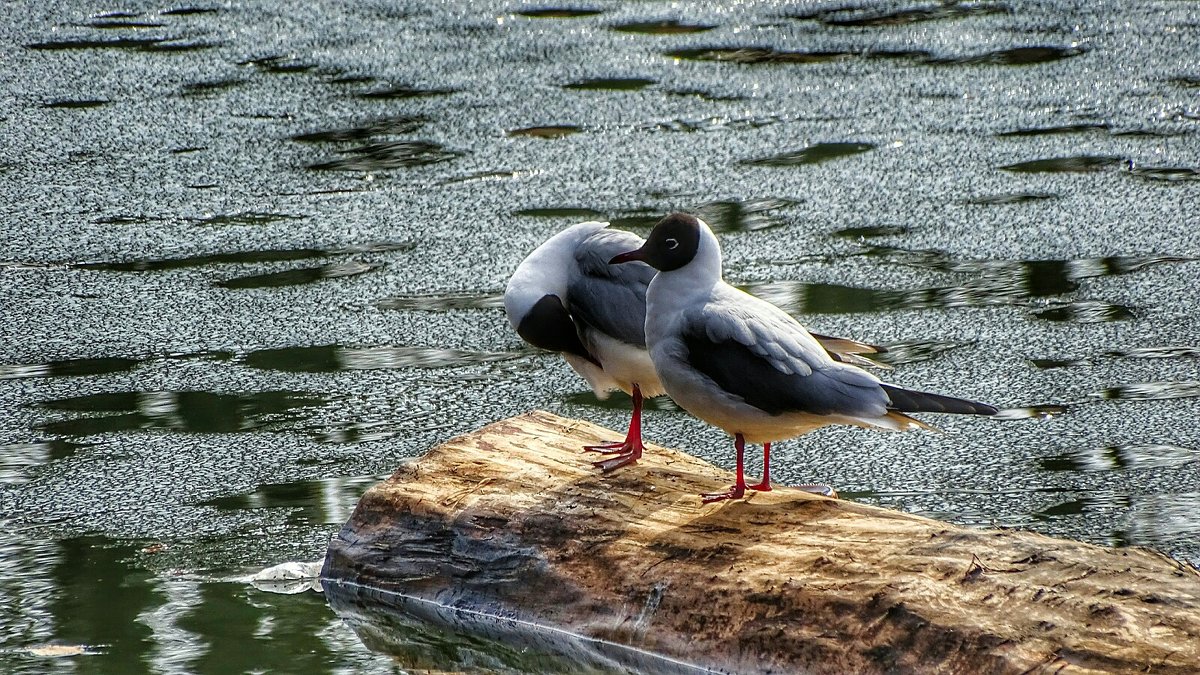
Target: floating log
column 512, row 524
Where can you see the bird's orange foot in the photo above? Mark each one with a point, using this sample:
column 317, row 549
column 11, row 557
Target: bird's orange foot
column 734, row 492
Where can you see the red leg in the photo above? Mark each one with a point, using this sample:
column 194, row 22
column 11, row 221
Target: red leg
column 739, row 488
column 628, row 451
column 765, row 485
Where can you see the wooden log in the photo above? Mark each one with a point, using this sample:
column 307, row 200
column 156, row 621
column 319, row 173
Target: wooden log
column 512, row 521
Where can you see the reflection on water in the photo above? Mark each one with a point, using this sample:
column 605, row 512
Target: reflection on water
column 325, row 501
column 301, row 275
column 382, row 155
column 438, row 302
column 611, row 84
column 618, row 400
column 181, row 411
column 813, row 154
column 91, row 602
column 1151, row 391
column 546, row 131
column 1121, row 457
column 334, row 358
column 1077, row 164
column 423, row 635
column 992, row 282
column 242, row 257
column 68, row 368
column 667, row 27
column 873, row 17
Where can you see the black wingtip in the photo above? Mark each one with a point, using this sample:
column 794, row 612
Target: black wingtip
column 907, row 400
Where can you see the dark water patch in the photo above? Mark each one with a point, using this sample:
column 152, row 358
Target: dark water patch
column 181, row 411
column 300, row 276
column 666, row 27
column 1186, row 81
column 813, row 154
column 1037, row 278
column 1016, row 56
column 637, row 219
column 901, row 353
column 1014, row 198
column 353, row 79
column 357, row 433
column 403, row 92
column 483, row 176
column 1156, row 353
column 123, row 23
column 1150, row 391
column 139, row 44
column 1048, row 131
column 386, row 155
column 188, row 150
column 279, row 64
column 441, row 302
column 77, row 103
column 325, row 501
column 1087, row 311
column 233, row 257
column 387, row 126
column 1121, row 458
column 706, row 95
column 1166, row 174
column 559, row 12
column 1051, row 364
column 871, row 231
column 68, row 368
column 989, row 283
column 759, row 55
column 194, row 89
column 1033, row 412
column 1082, row 128
column 870, row 18
column 181, row 46
column 547, row 131
column 619, row 400
column 248, row 218
column 338, row 358
column 611, row 84
column 189, row 11
column 119, row 14
column 745, row 215
column 1077, row 164
column 713, row 123
column 563, row 212
column 1075, row 507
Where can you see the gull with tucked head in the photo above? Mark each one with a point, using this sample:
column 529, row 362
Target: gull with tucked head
column 746, row 366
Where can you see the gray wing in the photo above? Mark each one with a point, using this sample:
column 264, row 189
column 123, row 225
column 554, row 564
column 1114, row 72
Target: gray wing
column 610, row 298
column 753, row 350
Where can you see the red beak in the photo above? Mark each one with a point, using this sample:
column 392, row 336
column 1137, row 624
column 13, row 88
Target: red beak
column 626, row 257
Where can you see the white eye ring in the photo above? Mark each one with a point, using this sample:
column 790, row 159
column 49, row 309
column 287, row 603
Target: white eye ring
column 672, row 244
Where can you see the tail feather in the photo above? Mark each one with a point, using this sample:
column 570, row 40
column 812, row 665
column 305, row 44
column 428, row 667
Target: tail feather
column 907, row 400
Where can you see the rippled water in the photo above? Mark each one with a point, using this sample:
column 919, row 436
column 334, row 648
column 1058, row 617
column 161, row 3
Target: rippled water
column 253, row 258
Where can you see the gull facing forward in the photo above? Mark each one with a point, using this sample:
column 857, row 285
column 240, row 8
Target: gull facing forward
column 566, row 297
column 746, row 366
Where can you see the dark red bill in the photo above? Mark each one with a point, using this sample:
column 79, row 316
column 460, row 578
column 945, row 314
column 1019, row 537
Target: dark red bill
column 626, row 257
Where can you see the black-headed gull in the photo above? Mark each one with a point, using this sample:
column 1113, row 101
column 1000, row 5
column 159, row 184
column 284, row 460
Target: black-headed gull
column 565, row 297
column 746, row 366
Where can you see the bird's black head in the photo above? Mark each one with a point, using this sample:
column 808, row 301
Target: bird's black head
column 672, row 244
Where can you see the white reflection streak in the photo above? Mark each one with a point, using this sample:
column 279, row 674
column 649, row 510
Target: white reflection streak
column 174, row 647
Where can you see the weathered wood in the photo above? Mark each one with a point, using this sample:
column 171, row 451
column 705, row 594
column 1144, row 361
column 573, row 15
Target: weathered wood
column 512, row 520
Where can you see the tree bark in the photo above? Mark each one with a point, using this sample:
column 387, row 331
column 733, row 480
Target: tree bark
column 512, row 522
